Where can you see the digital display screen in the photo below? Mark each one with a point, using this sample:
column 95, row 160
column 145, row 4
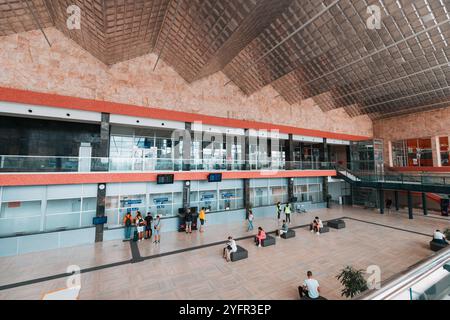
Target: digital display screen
column 164, row 178
column 99, row 220
column 214, row 177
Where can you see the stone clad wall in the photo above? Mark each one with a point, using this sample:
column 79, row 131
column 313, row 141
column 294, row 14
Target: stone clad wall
column 426, row 124
column 66, row 69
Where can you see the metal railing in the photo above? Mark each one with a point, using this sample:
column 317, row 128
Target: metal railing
column 398, row 178
column 12, row 163
column 416, row 281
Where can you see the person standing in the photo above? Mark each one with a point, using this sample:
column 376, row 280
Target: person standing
column 188, row 219
column 140, row 224
column 279, row 211
column 287, row 212
column 202, row 217
column 128, row 223
column 157, row 228
column 148, row 226
column 250, row 221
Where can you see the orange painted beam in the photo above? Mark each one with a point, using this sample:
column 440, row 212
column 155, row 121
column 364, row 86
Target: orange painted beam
column 60, row 101
column 30, row 179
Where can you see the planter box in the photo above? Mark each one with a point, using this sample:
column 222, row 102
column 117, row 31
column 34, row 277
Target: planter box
column 336, row 224
column 289, row 234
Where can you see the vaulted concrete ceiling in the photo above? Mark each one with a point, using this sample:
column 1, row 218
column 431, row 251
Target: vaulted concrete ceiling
column 303, row 48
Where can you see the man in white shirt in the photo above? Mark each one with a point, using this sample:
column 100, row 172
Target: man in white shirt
column 310, row 287
column 438, row 236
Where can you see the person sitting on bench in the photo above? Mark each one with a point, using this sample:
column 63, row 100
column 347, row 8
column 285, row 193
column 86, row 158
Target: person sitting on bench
column 260, row 236
column 439, row 237
column 284, row 228
column 231, row 247
column 316, row 225
column 310, row 288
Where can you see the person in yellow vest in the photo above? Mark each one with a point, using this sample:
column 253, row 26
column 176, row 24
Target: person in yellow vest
column 202, row 217
column 287, row 212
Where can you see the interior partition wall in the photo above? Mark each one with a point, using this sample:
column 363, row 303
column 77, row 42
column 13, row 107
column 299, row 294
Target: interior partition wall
column 415, row 152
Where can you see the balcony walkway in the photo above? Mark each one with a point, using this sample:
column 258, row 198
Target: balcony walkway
column 190, row 266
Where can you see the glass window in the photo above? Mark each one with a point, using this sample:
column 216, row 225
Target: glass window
column 259, row 196
column 445, row 151
column 20, row 217
column 63, row 206
column 161, row 204
column 208, row 199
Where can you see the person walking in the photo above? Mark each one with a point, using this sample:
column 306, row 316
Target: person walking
column 157, row 228
column 287, row 212
column 250, row 221
column 202, row 217
column 128, row 223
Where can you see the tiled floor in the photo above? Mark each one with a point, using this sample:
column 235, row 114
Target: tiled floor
column 269, row 273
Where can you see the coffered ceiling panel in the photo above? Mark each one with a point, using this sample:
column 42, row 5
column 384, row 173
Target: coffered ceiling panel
column 325, row 50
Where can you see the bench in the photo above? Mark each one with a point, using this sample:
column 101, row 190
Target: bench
column 240, row 254
column 289, row 234
column 336, row 224
column 324, row 229
column 268, row 241
column 436, row 246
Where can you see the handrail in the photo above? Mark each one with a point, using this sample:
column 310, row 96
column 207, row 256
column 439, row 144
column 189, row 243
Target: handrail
column 406, row 279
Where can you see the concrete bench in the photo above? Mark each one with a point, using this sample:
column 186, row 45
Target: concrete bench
column 289, row 234
column 268, row 241
column 436, row 246
column 336, row 224
column 325, row 229
column 240, row 254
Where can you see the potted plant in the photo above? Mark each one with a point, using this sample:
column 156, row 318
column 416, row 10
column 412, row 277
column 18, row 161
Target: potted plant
column 353, row 281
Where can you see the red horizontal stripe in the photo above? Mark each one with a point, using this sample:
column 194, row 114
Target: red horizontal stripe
column 29, row 179
column 420, row 169
column 60, row 101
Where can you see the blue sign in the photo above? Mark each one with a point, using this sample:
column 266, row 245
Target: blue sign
column 131, row 201
column 99, row 220
column 207, row 196
column 132, row 209
column 227, row 195
column 160, row 202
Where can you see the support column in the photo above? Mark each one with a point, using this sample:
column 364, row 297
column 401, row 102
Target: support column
column 410, row 205
column 186, row 194
column 229, row 143
column 103, row 150
column 246, row 151
column 326, row 198
column 290, row 189
column 436, row 151
column 424, row 204
column 289, row 150
column 100, row 210
column 396, row 200
column 326, row 152
column 187, row 144
column 381, row 200
column 247, row 203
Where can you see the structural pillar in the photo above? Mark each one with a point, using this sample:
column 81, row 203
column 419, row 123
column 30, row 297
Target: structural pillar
column 381, row 200
column 100, row 210
column 436, row 151
column 246, row 150
column 424, row 204
column 187, row 143
column 290, row 189
column 326, row 197
column 396, row 200
column 104, row 136
column 247, row 203
column 410, row 205
column 187, row 194
column 289, row 152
